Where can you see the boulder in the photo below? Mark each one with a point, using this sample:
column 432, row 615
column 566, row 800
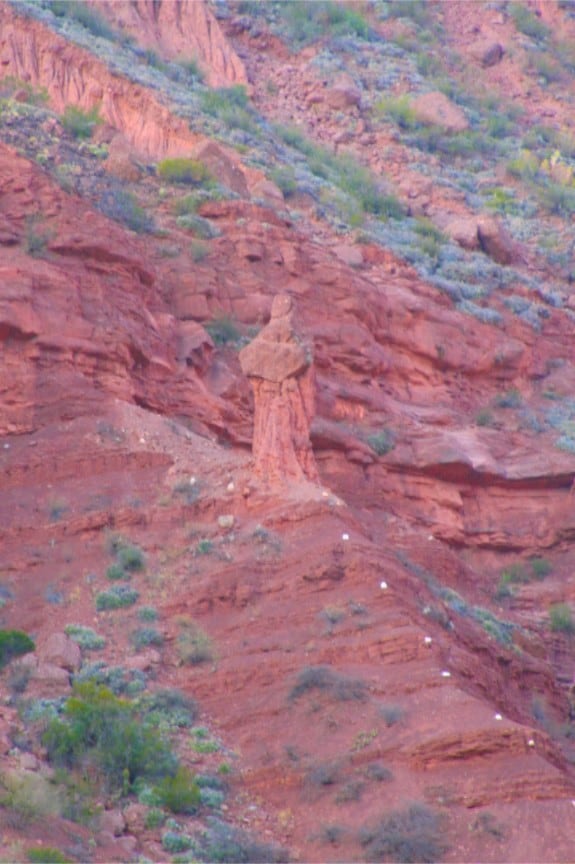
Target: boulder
column 487, row 52
column 435, row 109
column 60, row 650
column 496, row 242
column 343, row 94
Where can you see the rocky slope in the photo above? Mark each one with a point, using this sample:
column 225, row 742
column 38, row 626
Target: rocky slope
column 387, row 630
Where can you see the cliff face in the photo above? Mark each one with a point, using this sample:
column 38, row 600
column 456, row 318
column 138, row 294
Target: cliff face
column 369, row 649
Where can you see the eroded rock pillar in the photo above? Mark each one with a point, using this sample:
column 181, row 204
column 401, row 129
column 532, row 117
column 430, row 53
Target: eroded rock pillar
column 278, row 363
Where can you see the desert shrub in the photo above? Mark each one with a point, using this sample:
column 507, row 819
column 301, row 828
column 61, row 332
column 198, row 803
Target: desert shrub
column 561, row 618
column 81, row 124
column 325, row 679
column 174, row 841
column 201, row 227
column 381, row 442
column 179, row 792
column 510, row 399
column 116, row 572
column 391, row 713
column 324, row 773
column 14, row 643
column 85, row 15
column 310, row 20
column 526, row 22
column 557, row 198
column 169, row 707
column 122, row 206
column 46, row 855
column 410, row 835
column 36, row 241
column 224, row 843
column 378, row 772
column 231, row 105
column 193, row 644
column 148, row 613
column 399, row 109
column 191, row 172
column 131, row 558
column 155, row 817
column 104, row 733
column 198, row 251
column 86, row 638
column 223, row 330
column 285, row 179
column 119, row 680
column 525, row 166
column 540, row 567
column 145, row 636
column 201, row 741
column 117, row 597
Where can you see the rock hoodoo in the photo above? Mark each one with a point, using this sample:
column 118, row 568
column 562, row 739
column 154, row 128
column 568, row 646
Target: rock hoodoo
column 278, row 363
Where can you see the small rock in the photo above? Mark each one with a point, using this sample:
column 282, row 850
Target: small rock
column 226, row 520
column 135, row 817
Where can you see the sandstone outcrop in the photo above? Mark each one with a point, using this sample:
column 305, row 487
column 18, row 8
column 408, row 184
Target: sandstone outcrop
column 279, row 365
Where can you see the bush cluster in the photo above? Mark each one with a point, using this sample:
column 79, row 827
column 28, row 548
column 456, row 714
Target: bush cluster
column 101, row 733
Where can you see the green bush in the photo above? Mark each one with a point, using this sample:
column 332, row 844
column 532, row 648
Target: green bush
column 46, row 855
column 119, row 204
column 191, row 172
column 309, row 20
column 381, row 442
column 540, row 567
column 131, row 558
column 14, row 643
column 145, row 636
column 231, row 105
column 410, row 835
column 561, row 618
column 148, row 613
column 116, row 598
column 170, row 708
column 173, row 841
column 103, row 733
column 399, row 109
column 85, row 637
column 116, row 572
column 223, row 330
column 193, row 645
column 323, row 678
column 81, row 124
column 526, row 22
column 179, row 793
column 85, row 15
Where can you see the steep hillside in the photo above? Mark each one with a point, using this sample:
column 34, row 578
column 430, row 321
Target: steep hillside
column 356, row 642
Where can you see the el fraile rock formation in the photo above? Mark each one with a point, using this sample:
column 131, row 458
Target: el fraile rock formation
column 347, row 550
column 278, row 363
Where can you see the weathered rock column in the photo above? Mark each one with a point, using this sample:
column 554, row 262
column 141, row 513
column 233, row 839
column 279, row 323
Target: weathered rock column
column 278, row 363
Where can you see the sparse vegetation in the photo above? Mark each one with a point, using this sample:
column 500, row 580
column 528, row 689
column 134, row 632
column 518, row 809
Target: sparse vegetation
column 410, row 835
column 190, row 172
column 143, row 637
column 223, row 330
column 46, row 855
column 14, row 643
column 561, row 619
column 86, row 637
column 117, row 597
column 323, row 678
column 100, row 730
column 81, row 124
column 381, row 442
column 193, row 645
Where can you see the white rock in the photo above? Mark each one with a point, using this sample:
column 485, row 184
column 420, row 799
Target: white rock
column 345, row 536
column 383, row 585
column 428, row 640
column 445, row 674
column 230, row 487
column 498, row 717
column 226, row 520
